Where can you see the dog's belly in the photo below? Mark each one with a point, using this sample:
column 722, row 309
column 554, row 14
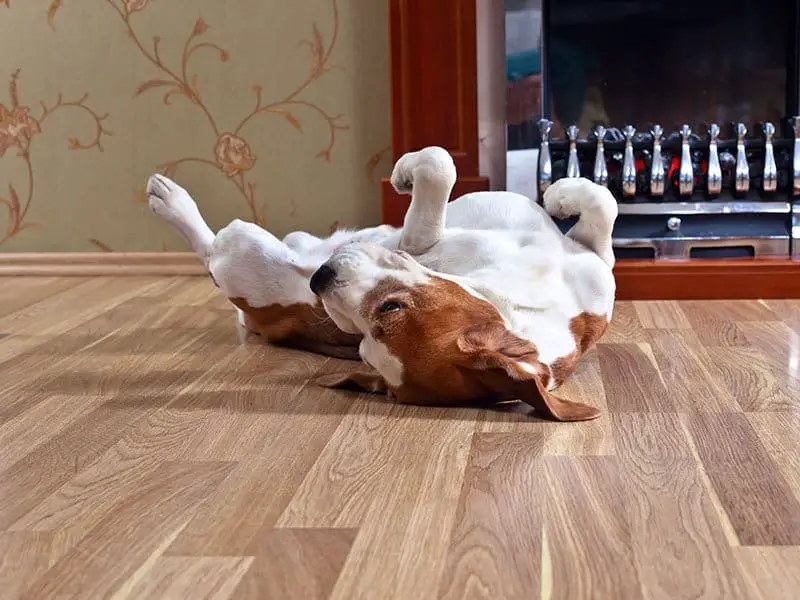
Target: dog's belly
column 495, row 211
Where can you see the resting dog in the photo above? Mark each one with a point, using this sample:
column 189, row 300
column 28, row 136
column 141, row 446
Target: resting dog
column 479, row 298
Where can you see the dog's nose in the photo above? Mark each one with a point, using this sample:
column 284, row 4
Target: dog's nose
column 322, row 278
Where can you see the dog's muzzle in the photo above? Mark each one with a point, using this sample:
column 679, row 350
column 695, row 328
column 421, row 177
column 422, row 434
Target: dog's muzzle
column 322, row 279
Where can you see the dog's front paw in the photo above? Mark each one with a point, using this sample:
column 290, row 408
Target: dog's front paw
column 169, row 200
column 432, row 162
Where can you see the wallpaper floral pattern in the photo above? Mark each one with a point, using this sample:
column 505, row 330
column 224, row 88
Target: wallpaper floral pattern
column 276, row 113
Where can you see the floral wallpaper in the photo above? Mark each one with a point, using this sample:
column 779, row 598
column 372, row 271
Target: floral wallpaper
column 272, row 112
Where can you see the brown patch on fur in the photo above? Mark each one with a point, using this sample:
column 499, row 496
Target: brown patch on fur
column 586, row 328
column 300, row 326
column 456, row 349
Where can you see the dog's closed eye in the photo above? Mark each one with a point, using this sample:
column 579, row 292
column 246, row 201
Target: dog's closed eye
column 391, row 306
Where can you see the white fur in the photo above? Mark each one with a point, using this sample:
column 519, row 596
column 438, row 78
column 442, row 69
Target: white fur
column 499, row 246
column 378, row 356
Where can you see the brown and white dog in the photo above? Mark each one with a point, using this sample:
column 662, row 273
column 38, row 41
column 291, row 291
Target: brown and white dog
column 481, row 298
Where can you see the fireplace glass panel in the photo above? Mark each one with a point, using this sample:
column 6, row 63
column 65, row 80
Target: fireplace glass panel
column 667, row 61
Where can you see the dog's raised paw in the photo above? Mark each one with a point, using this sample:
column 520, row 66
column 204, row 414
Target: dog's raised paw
column 169, row 200
column 432, row 162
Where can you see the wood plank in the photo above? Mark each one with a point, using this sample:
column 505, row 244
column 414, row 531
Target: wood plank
column 92, row 494
column 295, row 563
column 712, row 327
column 780, row 345
column 34, row 427
column 625, row 326
column 52, row 463
column 208, row 577
column 404, row 556
column 663, row 314
column 273, row 393
column 585, row 524
column 786, row 310
column 355, row 469
column 24, row 557
column 773, row 572
column 263, row 483
column 38, row 323
column 758, row 501
column 160, row 508
column 680, row 545
column 20, row 292
column 631, row 381
column 682, row 364
column 780, row 434
column 495, row 547
column 749, row 377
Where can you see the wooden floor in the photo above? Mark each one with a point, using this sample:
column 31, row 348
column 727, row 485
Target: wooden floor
column 147, row 451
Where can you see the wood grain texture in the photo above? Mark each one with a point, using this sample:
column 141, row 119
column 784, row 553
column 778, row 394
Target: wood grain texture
column 665, row 314
column 158, row 509
column 207, row 577
column 772, row 572
column 295, row 563
column 585, row 517
column 632, row 382
column 495, row 546
column 711, row 325
column 684, row 369
column 151, row 451
column 760, row 504
column 679, row 543
column 750, row 379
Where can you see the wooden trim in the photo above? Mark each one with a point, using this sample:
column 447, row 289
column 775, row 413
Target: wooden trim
column 433, row 54
column 101, row 263
column 708, row 279
column 394, row 205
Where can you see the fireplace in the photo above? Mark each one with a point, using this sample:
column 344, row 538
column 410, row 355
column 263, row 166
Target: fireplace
column 685, row 110
column 478, row 76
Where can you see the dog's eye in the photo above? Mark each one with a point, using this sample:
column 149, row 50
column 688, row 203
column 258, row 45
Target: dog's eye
column 390, row 306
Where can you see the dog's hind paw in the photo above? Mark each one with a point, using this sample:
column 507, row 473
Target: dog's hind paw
column 432, row 162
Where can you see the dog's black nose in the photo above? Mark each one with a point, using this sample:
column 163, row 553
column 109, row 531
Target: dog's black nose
column 321, row 279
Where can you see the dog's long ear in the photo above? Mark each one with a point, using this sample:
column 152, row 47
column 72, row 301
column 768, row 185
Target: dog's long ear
column 356, row 380
column 507, row 365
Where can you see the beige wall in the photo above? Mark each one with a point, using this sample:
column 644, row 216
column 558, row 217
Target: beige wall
column 273, row 111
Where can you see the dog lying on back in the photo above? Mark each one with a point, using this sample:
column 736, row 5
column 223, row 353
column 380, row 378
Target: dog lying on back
column 481, row 298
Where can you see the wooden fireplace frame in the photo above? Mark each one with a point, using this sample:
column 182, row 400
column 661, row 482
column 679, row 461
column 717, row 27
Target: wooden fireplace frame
column 434, row 80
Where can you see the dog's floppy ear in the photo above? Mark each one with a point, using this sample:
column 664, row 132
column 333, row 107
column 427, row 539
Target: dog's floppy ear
column 355, row 380
column 507, row 365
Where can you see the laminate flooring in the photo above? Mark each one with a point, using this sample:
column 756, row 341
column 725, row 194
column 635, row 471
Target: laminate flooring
column 150, row 449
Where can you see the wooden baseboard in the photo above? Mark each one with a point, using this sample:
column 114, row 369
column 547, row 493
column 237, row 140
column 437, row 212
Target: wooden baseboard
column 708, row 279
column 83, row 264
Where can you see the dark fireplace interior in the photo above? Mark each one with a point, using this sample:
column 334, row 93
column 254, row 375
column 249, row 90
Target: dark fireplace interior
column 678, row 61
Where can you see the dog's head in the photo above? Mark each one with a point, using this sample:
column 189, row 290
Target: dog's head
column 430, row 339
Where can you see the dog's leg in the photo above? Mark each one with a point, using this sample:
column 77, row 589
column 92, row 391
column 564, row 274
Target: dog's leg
column 429, row 176
column 174, row 204
column 596, row 209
